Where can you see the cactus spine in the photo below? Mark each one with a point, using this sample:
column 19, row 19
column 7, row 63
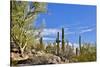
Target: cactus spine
column 57, row 41
column 63, row 43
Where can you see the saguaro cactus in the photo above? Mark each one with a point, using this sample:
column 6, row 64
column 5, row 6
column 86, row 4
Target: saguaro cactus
column 76, row 51
column 63, row 43
column 41, row 40
column 57, row 41
column 80, row 44
column 41, row 43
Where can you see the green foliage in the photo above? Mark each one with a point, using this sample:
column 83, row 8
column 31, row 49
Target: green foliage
column 51, row 49
column 68, row 53
column 88, row 53
column 39, row 47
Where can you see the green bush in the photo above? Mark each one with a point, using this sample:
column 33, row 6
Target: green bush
column 88, row 54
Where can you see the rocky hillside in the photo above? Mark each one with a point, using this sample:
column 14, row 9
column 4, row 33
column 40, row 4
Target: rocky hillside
column 36, row 58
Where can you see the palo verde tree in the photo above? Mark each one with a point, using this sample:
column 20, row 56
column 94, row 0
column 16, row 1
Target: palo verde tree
column 23, row 13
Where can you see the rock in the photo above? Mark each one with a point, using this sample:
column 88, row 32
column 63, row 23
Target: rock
column 40, row 53
column 15, row 50
column 43, row 59
column 39, row 58
column 33, row 51
column 54, row 59
column 14, row 55
column 66, row 61
column 63, row 59
column 50, row 58
column 17, row 57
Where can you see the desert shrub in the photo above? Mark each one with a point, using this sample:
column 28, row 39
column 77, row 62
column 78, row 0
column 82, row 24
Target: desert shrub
column 68, row 53
column 88, row 53
column 39, row 47
column 50, row 49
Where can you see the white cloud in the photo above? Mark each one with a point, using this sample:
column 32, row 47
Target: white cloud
column 86, row 30
column 76, row 44
column 69, row 43
column 50, row 31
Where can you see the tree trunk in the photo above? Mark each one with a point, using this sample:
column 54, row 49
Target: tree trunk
column 22, row 49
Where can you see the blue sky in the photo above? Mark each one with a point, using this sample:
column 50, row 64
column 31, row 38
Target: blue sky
column 75, row 19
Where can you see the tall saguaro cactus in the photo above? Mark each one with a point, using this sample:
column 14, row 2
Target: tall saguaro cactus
column 80, row 44
column 63, row 43
column 57, row 41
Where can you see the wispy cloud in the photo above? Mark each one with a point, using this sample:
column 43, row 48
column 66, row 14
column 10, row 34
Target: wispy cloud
column 50, row 34
column 86, row 27
column 87, row 30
